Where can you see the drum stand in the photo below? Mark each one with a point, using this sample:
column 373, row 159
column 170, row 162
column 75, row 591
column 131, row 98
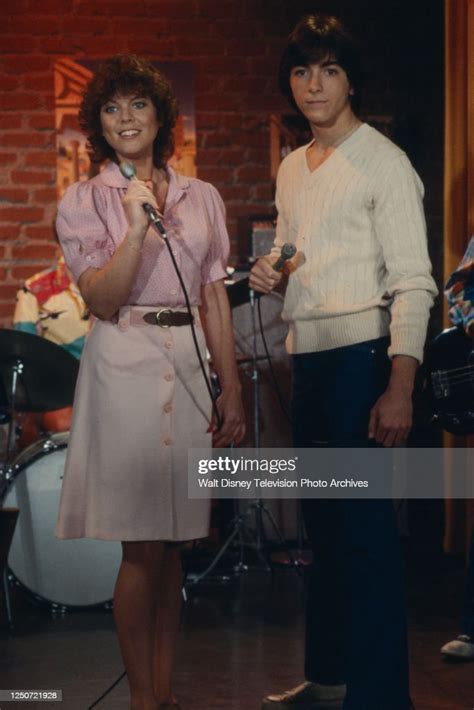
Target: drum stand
column 6, row 473
column 246, row 536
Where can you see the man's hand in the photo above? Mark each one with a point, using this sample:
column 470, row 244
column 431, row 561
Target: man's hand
column 263, row 277
column 391, row 418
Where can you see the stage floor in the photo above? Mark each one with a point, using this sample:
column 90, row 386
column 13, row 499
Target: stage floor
column 239, row 642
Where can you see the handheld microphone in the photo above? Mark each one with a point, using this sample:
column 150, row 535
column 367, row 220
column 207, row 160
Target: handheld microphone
column 287, row 252
column 127, row 168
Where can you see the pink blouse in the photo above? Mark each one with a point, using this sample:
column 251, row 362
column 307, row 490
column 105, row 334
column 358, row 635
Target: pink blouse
column 91, row 224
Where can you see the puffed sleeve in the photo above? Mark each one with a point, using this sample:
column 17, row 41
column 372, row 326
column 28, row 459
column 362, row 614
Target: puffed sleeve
column 82, row 231
column 214, row 265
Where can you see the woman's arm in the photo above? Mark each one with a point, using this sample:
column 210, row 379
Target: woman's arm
column 106, row 290
column 217, row 325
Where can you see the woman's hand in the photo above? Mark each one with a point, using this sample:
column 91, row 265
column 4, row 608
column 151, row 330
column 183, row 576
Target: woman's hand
column 230, row 408
column 136, row 196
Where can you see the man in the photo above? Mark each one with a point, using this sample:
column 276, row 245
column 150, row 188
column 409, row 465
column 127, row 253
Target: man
column 460, row 294
column 357, row 306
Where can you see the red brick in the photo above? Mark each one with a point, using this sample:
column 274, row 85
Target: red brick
column 91, row 25
column 53, row 7
column 263, row 192
column 213, row 102
column 8, row 82
column 41, row 121
column 22, row 44
column 253, row 173
column 8, row 232
column 155, row 49
column 18, row 7
column 217, row 8
column 29, row 177
column 35, row 25
column 8, row 292
column 7, row 158
column 214, row 174
column 34, row 251
column 24, row 272
column 21, row 214
column 44, row 196
column 6, row 310
column 223, row 66
column 259, row 155
column 134, row 26
column 10, row 122
column 214, row 140
column 28, row 65
column 47, row 159
column 21, row 140
column 39, row 232
column 264, row 66
column 119, row 8
column 3, row 272
column 232, row 193
column 38, row 82
column 202, row 46
column 242, row 210
column 19, row 102
column 208, row 119
column 12, row 194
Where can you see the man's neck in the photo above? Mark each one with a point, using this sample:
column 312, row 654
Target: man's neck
column 331, row 136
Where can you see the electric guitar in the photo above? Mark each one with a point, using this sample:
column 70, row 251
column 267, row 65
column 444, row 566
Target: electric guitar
column 451, row 378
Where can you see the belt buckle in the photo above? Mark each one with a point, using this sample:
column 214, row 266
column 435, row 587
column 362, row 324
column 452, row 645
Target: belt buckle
column 158, row 315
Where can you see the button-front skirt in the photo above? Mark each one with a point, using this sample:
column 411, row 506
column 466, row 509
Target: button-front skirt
column 140, row 404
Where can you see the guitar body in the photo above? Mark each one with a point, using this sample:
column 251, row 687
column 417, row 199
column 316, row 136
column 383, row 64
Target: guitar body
column 451, row 377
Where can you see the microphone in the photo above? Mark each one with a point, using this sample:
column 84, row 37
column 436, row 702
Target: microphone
column 127, row 168
column 287, row 252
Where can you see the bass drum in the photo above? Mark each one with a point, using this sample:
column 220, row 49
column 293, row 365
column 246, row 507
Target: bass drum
column 64, row 573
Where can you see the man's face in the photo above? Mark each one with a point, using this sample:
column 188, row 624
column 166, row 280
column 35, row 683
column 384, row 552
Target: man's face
column 321, row 92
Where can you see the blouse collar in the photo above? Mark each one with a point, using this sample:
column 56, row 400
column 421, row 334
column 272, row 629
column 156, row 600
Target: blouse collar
column 111, row 176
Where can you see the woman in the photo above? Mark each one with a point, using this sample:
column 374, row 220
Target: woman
column 141, row 398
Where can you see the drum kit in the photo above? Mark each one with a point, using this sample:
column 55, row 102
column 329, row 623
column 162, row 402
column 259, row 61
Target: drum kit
column 39, row 376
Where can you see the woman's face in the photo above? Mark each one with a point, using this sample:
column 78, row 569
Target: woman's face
column 130, row 125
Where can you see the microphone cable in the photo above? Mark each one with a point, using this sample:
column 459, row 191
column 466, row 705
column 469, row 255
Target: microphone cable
column 165, row 238
column 281, row 399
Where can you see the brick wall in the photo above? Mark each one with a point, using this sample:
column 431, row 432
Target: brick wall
column 235, row 46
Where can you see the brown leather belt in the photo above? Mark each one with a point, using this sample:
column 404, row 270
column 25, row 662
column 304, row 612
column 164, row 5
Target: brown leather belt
column 165, row 318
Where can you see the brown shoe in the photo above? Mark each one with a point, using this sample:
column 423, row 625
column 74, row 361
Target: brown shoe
column 308, row 696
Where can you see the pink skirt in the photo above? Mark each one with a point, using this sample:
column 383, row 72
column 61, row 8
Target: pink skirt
column 141, row 402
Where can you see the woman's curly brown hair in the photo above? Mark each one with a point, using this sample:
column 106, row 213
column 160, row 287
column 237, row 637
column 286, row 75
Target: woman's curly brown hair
column 126, row 74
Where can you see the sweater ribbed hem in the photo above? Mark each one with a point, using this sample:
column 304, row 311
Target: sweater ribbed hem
column 306, row 336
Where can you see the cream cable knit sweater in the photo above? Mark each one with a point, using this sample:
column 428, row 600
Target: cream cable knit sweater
column 358, row 220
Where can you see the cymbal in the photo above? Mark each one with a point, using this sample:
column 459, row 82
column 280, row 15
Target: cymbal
column 48, row 376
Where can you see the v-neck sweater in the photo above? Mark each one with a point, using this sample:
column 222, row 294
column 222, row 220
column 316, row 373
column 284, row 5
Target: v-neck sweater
column 362, row 267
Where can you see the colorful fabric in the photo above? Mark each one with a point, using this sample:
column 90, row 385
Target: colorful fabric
column 459, row 291
column 50, row 305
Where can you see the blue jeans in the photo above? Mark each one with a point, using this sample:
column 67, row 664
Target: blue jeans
column 355, row 620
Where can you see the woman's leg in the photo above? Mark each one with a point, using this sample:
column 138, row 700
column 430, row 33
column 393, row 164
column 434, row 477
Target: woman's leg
column 135, row 605
column 167, row 620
